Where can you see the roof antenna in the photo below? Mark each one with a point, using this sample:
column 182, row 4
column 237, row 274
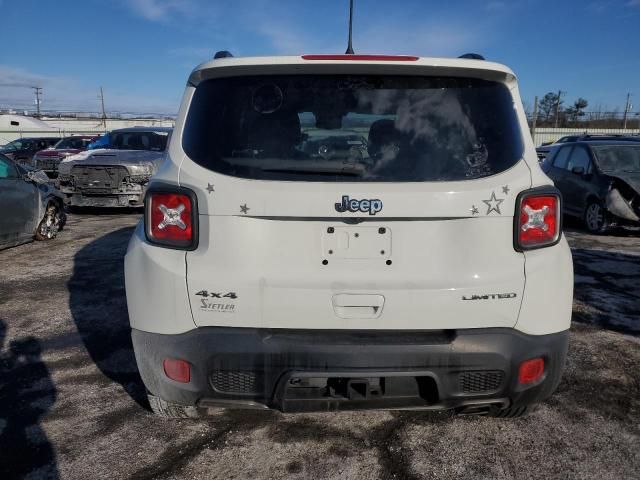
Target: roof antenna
column 350, row 47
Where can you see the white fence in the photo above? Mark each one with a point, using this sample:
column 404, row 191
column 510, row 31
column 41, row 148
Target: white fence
column 548, row 135
column 66, row 127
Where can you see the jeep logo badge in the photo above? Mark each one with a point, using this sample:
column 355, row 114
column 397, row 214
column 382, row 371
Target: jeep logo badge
column 352, row 205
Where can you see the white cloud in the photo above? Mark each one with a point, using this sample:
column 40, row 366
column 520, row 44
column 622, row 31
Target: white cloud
column 17, row 77
column 191, row 52
column 289, row 40
column 157, row 10
column 439, row 39
column 495, row 5
column 68, row 94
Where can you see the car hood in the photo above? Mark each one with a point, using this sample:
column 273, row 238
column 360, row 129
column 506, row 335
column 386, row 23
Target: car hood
column 133, row 159
column 631, row 179
column 53, row 152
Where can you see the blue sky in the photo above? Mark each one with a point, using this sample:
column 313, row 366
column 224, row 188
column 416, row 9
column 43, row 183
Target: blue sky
column 141, row 51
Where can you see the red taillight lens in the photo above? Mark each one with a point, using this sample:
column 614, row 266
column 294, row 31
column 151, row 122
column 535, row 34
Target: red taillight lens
column 538, row 220
column 170, row 219
column 530, row 371
column 178, row 370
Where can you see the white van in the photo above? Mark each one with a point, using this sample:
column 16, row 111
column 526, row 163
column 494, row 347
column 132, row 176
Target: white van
column 350, row 231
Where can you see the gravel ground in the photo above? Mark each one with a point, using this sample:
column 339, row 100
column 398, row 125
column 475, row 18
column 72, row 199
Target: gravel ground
column 72, row 404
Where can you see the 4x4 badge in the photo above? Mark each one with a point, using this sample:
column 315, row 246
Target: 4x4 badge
column 372, row 206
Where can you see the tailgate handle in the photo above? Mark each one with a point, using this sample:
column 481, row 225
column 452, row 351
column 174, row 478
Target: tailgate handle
column 357, row 306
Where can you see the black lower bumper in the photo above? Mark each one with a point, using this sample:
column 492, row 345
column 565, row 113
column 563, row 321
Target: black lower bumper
column 298, row 370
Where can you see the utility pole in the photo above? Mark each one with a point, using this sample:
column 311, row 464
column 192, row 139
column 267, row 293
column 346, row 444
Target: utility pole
column 627, row 109
column 38, row 91
column 104, row 116
column 534, row 120
column 560, row 93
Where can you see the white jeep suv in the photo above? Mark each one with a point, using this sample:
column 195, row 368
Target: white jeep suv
column 350, row 231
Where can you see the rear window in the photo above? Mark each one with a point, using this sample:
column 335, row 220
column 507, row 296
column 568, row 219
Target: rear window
column 353, row 128
column 155, row 141
column 79, row 143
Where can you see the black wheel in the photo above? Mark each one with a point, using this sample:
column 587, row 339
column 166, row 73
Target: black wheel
column 165, row 409
column 596, row 218
column 511, row 412
column 51, row 223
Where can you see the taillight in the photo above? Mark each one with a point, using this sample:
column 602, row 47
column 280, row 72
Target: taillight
column 171, row 218
column 538, row 219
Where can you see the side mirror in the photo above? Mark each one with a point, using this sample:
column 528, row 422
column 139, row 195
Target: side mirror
column 578, row 170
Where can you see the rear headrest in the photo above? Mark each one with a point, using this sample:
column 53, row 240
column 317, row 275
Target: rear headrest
column 381, row 132
column 275, row 133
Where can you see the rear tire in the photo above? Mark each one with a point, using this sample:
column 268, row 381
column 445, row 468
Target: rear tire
column 511, row 412
column 596, row 219
column 165, row 409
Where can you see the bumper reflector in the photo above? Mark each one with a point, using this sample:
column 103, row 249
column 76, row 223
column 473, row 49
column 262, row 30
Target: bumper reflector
column 531, row 371
column 177, row 370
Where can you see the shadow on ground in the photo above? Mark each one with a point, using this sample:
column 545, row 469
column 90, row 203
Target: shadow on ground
column 27, row 393
column 606, row 290
column 99, row 308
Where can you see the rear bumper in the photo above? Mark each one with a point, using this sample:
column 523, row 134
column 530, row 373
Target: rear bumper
column 297, row 370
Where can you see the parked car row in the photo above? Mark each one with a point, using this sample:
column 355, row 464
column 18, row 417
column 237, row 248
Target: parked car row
column 79, row 171
column 48, row 160
column 23, row 150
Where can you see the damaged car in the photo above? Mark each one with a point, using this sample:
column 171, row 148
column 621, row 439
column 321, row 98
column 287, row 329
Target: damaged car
column 116, row 176
column 600, row 182
column 31, row 206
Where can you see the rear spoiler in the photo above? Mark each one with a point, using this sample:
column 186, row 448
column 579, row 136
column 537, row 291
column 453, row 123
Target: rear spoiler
column 446, row 67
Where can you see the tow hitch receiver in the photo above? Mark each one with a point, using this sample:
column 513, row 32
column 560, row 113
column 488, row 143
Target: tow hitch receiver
column 313, row 392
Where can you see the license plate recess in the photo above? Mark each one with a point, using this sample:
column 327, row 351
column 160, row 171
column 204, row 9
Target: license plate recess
column 356, row 242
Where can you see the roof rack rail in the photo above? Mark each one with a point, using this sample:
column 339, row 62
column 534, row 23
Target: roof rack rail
column 222, row 54
column 472, row 56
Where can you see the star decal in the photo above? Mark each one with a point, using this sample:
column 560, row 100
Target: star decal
column 244, row 208
column 474, row 210
column 493, row 204
column 210, row 188
column 506, row 189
